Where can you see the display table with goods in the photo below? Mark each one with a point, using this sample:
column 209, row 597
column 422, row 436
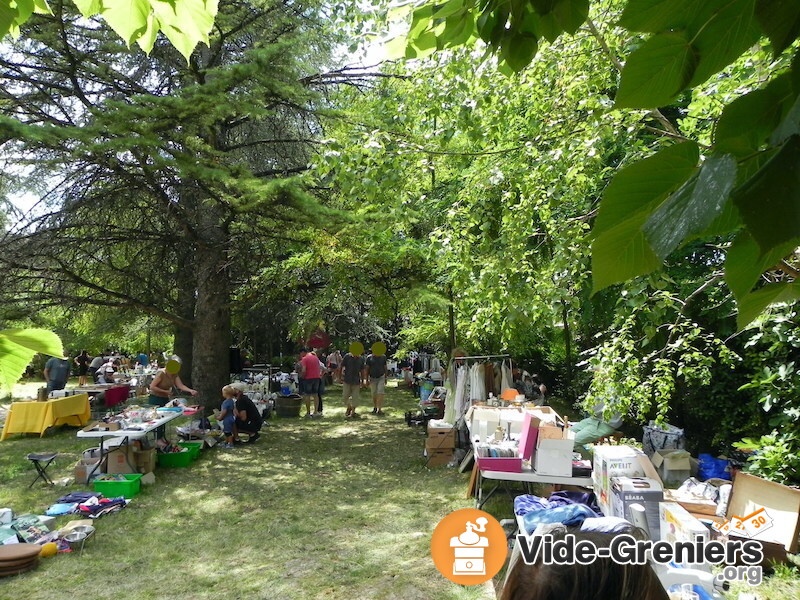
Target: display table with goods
column 36, row 417
column 522, row 445
column 135, row 423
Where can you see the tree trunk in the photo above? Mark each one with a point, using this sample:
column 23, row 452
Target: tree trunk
column 212, row 333
column 186, row 281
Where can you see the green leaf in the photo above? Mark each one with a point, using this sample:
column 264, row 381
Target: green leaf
column 656, row 72
column 654, row 16
column 17, row 348
column 485, row 24
column 544, row 7
column 8, row 17
column 571, row 14
column 620, row 250
column 747, row 122
column 744, row 262
column 24, row 10
column 642, row 185
column 519, row 50
column 769, row 202
column 425, row 41
column 127, row 17
column 621, row 253
column 752, row 305
column 722, row 39
column 789, row 126
column 448, row 9
column 147, row 40
column 693, row 207
column 40, row 7
column 780, row 20
column 396, row 47
column 89, row 8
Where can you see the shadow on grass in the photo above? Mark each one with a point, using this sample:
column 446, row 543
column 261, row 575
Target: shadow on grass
column 315, row 509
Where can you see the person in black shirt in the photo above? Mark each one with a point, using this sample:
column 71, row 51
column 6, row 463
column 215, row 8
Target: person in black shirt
column 248, row 420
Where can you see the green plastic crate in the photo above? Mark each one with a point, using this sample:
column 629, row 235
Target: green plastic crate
column 175, row 459
column 194, row 448
column 114, row 489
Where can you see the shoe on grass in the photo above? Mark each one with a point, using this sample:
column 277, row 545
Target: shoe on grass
column 375, row 411
column 253, row 438
column 380, row 413
column 228, row 446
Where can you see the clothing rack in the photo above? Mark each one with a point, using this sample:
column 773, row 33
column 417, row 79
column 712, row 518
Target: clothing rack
column 482, row 356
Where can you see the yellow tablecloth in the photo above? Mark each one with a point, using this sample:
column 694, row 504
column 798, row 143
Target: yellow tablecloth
column 36, row 417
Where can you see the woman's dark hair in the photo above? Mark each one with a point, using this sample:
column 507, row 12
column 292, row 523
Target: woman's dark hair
column 602, row 579
column 84, row 353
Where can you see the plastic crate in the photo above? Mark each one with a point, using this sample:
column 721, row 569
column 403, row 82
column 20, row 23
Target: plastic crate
column 114, row 489
column 175, row 459
column 194, row 448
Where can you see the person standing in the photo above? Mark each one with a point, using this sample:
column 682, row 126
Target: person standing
column 310, row 368
column 163, row 382
column 56, row 373
column 354, row 375
column 96, row 363
column 334, row 362
column 378, row 371
column 82, row 360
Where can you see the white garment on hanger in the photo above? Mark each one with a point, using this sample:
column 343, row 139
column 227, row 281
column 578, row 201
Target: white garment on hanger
column 462, row 404
column 505, row 379
column 477, row 381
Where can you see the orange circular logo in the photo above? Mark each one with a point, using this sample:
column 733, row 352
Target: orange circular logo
column 469, row 546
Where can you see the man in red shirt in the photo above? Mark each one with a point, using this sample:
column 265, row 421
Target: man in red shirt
column 311, row 375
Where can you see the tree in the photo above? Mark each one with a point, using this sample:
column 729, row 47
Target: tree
column 180, row 159
column 746, row 183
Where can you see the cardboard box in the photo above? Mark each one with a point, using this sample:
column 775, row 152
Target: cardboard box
column 677, row 525
column 145, row 460
column 638, row 490
column 121, row 461
column 86, row 467
column 673, row 466
column 554, row 456
column 100, row 426
column 616, row 461
column 693, row 505
column 781, row 504
column 441, row 438
column 92, row 452
column 439, row 457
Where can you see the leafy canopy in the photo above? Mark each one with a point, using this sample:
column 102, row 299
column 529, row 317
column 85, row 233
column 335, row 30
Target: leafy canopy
column 746, row 182
column 185, row 22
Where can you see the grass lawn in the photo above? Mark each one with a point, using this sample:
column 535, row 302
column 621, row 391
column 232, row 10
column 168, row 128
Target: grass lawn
column 323, row 509
column 315, row 509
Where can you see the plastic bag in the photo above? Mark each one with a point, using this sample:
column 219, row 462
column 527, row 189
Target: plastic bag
column 710, row 467
column 665, row 437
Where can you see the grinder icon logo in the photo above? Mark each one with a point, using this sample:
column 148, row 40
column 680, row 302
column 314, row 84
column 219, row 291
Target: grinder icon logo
column 469, row 546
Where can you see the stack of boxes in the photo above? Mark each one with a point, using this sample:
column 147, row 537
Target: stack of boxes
column 623, row 476
column 440, row 445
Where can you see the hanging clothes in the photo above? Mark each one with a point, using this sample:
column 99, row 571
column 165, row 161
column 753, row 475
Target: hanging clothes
column 477, row 387
column 436, row 364
column 462, row 402
column 488, row 374
column 506, row 379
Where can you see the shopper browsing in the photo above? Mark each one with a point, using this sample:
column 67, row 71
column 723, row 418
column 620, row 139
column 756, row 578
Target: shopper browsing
column 228, row 415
